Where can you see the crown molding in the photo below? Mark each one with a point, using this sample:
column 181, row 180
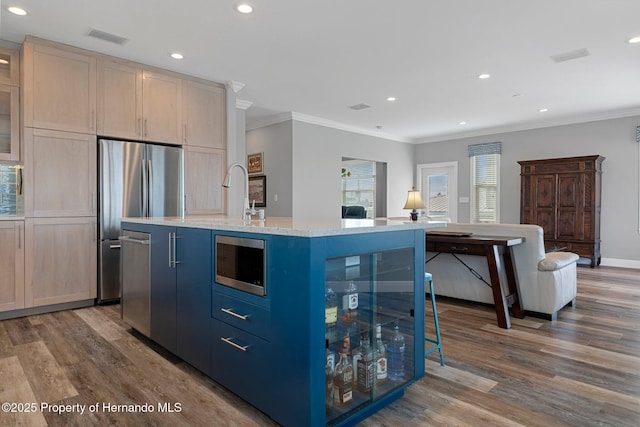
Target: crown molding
column 243, row 104
column 305, row 118
column 585, row 118
column 236, row 86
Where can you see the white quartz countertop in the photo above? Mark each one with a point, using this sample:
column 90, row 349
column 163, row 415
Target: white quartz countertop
column 302, row 227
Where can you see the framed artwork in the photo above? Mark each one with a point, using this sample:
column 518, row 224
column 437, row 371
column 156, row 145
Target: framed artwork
column 258, row 190
column 254, row 163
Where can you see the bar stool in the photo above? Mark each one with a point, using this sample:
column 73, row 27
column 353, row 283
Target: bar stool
column 438, row 345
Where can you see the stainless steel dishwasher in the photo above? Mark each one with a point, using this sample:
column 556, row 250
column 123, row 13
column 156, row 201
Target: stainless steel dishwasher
column 135, row 267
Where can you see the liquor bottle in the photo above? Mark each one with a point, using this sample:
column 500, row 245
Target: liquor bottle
column 350, row 303
column 366, row 367
column 356, row 358
column 329, row 372
column 395, row 356
column 381, row 357
column 330, row 315
column 342, row 381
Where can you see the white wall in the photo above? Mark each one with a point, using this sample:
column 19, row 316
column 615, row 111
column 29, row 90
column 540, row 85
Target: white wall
column 313, row 189
column 614, row 139
column 275, row 142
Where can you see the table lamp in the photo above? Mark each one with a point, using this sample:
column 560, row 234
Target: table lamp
column 414, row 201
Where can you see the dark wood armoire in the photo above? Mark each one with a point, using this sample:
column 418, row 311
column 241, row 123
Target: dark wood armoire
column 563, row 197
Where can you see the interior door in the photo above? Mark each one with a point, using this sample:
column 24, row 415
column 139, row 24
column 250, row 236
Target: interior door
column 438, row 185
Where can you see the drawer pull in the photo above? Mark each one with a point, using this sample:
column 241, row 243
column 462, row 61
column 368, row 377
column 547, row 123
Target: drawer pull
column 231, row 343
column 234, row 314
column 463, row 248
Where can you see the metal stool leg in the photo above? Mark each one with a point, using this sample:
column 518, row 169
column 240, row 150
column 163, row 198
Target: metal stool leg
column 438, row 345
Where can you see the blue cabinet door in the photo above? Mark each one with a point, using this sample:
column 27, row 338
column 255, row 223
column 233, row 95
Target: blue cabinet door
column 163, row 288
column 194, row 296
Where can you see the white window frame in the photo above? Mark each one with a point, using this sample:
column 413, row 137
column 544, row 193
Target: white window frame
column 472, row 187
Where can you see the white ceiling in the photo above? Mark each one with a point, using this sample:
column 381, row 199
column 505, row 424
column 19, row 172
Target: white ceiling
column 317, row 57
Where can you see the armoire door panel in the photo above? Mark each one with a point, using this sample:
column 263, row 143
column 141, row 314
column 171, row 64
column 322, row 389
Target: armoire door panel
column 545, row 192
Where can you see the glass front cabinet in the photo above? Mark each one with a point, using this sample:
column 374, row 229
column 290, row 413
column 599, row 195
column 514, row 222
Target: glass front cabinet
column 353, row 312
column 369, row 329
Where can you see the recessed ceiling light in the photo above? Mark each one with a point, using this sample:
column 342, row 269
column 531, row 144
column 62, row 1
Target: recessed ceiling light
column 484, row 76
column 244, row 8
column 543, row 110
column 391, row 98
column 634, row 40
column 462, row 123
column 177, row 55
column 17, row 10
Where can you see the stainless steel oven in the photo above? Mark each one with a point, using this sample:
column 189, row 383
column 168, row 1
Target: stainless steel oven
column 241, row 263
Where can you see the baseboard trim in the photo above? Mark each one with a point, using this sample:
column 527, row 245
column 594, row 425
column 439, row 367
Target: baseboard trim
column 46, row 309
column 622, row 263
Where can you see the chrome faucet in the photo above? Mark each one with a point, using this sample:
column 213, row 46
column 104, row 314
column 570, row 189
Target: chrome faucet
column 246, row 210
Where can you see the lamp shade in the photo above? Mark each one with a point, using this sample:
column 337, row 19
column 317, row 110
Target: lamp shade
column 414, row 201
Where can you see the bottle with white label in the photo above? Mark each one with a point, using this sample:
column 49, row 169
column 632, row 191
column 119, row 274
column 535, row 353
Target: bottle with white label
column 381, row 356
column 343, row 381
column 330, row 315
column 350, row 303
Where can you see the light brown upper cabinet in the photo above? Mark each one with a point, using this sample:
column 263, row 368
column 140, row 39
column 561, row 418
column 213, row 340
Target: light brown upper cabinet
column 119, row 100
column 135, row 103
column 9, row 104
column 203, row 115
column 59, row 174
column 161, row 108
column 59, row 87
column 9, row 67
column 11, row 265
column 9, row 122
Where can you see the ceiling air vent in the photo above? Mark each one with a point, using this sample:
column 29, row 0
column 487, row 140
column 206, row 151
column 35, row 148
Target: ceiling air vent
column 112, row 38
column 568, row 56
column 361, row 106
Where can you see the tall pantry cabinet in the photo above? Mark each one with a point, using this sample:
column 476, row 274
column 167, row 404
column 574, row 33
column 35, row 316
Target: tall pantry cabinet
column 563, row 196
column 59, row 117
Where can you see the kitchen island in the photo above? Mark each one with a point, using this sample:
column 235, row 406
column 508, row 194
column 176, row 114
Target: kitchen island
column 260, row 306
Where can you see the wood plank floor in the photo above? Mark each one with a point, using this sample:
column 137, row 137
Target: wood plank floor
column 581, row 370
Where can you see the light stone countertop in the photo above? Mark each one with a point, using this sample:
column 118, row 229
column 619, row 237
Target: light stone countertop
column 300, row 227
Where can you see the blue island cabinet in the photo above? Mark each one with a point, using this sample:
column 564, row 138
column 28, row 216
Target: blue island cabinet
column 325, row 293
column 387, row 271
column 181, row 260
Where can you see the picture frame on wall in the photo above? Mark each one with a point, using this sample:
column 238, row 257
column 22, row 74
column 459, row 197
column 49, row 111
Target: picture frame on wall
column 254, row 163
column 258, row 190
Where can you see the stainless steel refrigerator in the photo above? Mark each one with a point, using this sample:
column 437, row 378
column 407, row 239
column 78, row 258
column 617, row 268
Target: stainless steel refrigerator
column 135, row 180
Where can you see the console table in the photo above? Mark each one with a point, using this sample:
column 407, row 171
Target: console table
column 490, row 247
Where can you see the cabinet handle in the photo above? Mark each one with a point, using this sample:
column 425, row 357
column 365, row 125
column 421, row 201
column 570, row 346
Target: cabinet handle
column 170, row 250
column 231, row 343
column 185, row 133
column 234, row 314
column 175, row 252
column 19, row 236
column 138, row 126
column 93, row 120
column 146, row 129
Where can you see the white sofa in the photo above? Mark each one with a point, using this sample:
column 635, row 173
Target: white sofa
column 547, row 281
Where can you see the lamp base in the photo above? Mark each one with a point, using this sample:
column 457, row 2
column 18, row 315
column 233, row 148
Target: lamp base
column 414, row 216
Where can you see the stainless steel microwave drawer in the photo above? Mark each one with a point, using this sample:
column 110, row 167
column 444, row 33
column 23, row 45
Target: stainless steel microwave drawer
column 241, row 314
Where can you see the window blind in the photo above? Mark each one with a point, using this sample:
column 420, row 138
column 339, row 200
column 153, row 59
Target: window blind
column 485, row 167
column 484, row 149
